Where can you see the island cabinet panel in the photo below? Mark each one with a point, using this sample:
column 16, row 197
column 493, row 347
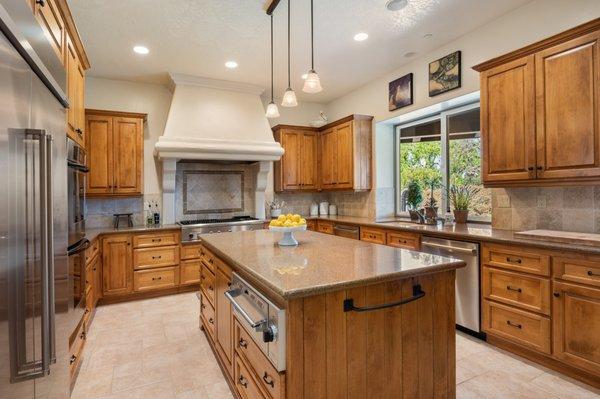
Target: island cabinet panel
column 576, row 317
column 224, row 317
column 406, row 351
column 568, row 135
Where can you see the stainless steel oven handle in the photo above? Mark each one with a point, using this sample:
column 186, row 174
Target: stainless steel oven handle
column 448, row 247
column 231, row 294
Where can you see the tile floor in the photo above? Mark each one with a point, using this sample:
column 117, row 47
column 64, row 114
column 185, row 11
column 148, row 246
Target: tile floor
column 153, row 348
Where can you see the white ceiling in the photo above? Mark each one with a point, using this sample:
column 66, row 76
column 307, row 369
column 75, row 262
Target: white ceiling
column 196, row 37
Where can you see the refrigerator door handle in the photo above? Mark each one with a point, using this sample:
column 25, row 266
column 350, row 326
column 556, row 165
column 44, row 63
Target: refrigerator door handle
column 50, row 223
column 46, row 247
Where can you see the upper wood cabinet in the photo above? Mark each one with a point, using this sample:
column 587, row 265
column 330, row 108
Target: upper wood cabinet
column 334, row 157
column 75, row 94
column 52, row 22
column 115, row 146
column 540, row 116
column 297, row 169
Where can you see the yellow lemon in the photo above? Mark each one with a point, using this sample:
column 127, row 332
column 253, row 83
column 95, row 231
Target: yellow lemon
column 281, row 218
column 275, row 223
column 296, row 218
column 302, row 221
column 288, row 223
column 289, row 216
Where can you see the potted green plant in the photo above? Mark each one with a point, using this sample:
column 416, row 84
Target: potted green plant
column 414, row 198
column 460, row 199
column 431, row 207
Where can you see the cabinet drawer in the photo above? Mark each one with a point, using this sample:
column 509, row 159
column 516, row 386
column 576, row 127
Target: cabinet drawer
column 92, row 251
column 207, row 258
column 403, row 240
column 583, row 271
column 525, row 328
column 376, row 236
column 156, row 239
column 147, row 258
column 208, row 315
column 526, row 292
column 311, row 224
column 268, row 377
column 207, row 283
column 244, row 382
column 324, row 227
column 146, row 280
column 76, row 349
column 516, row 258
column 191, row 251
column 189, row 272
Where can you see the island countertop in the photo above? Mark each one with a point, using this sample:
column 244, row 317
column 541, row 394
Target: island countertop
column 321, row 263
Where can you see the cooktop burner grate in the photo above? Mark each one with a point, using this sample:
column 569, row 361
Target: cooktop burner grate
column 206, row 221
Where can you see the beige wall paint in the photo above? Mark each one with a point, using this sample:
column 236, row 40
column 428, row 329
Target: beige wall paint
column 151, row 99
column 302, row 115
column 525, row 25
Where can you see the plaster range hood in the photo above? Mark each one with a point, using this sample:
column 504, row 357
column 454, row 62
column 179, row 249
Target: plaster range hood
column 215, row 120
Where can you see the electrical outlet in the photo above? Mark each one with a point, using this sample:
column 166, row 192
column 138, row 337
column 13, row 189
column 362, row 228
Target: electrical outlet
column 541, row 201
column 503, row 201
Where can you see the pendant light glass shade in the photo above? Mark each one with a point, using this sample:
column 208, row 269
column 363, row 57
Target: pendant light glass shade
column 312, row 83
column 289, row 98
column 272, row 110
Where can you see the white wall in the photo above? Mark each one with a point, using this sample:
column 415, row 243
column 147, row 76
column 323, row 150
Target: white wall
column 154, row 100
column 525, row 25
column 302, row 114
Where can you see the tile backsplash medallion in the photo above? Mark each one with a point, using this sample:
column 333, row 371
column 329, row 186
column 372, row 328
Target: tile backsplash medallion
column 552, row 208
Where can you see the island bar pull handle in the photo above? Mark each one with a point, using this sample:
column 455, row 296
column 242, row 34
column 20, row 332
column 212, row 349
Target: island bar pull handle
column 418, row 293
column 231, row 294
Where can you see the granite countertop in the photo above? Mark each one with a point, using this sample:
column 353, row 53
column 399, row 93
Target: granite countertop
column 91, row 234
column 321, row 262
column 479, row 232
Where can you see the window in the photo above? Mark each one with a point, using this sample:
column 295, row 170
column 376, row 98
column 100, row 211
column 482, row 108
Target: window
column 443, row 149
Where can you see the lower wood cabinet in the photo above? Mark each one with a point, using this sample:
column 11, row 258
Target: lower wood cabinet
column 224, row 316
column 189, row 271
column 324, row 226
column 156, row 279
column 576, row 318
column 373, row 235
column 245, row 384
column 117, row 266
column 403, row 239
column 207, row 315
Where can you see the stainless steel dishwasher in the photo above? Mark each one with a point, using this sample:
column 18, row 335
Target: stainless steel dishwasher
column 467, row 279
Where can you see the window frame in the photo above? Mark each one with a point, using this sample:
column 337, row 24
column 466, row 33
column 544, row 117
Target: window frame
column 442, row 116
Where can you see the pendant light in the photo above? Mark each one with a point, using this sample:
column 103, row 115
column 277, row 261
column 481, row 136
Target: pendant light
column 272, row 110
column 312, row 83
column 289, row 97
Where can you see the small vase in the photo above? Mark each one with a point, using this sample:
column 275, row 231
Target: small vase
column 275, row 213
column 461, row 216
column 431, row 212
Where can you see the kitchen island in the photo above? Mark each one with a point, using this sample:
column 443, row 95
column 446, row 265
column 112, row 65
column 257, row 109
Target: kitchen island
column 355, row 319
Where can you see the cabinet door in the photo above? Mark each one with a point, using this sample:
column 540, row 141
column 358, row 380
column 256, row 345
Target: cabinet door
column 50, row 18
column 127, row 155
column 71, row 65
column 508, row 121
column 328, row 158
column 224, row 317
column 345, row 155
column 576, row 318
column 79, row 117
column 291, row 141
column 308, row 164
column 117, row 270
column 97, row 278
column 99, row 144
column 568, row 130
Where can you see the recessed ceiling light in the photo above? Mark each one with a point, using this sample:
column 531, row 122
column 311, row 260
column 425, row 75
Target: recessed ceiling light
column 231, row 64
column 427, row 36
column 362, row 36
column 396, row 5
column 304, row 76
column 409, row 54
column 141, row 49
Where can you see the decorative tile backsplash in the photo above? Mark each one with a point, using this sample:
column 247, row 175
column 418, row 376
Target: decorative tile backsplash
column 99, row 211
column 206, row 190
column 553, row 208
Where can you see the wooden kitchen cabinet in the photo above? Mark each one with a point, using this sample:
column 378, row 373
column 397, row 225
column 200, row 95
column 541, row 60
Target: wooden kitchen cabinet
column 115, row 145
column 224, row 315
column 334, row 157
column 75, row 93
column 297, row 169
column 540, row 116
column 117, row 268
column 576, row 317
column 52, row 22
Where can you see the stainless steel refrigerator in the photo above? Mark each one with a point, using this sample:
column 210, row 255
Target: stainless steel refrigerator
column 36, row 301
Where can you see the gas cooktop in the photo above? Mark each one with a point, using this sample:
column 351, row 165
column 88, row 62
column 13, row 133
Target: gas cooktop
column 192, row 229
column 211, row 221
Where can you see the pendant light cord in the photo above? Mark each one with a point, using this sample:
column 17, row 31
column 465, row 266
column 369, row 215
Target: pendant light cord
column 289, row 7
column 271, row 57
column 312, row 40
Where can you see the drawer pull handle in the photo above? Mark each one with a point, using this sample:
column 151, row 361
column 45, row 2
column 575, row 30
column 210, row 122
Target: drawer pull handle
column 268, row 380
column 592, row 274
column 72, row 359
column 556, row 294
column 156, row 278
column 211, row 321
column 156, row 239
column 243, row 343
column 211, row 261
column 202, row 306
column 157, row 257
column 243, row 382
column 510, row 323
column 210, row 288
column 82, row 335
column 508, row 287
column 513, row 260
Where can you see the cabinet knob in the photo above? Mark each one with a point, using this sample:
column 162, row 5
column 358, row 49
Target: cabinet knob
column 539, row 168
column 72, row 360
column 42, row 3
column 268, row 380
column 592, row 274
column 243, row 382
column 556, row 294
column 530, row 168
column 243, row 343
